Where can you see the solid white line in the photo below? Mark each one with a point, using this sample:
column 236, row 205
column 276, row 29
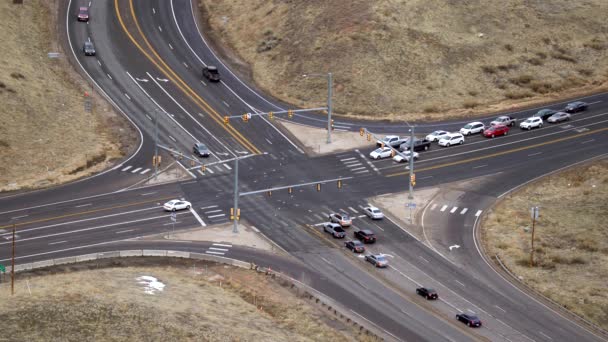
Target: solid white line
column 584, row 142
column 542, row 333
column 499, row 308
column 421, row 178
column 83, row 205
column 218, row 215
column 198, row 218
column 135, row 170
column 172, row 138
column 534, row 154
column 212, row 211
column 480, row 166
column 478, row 213
column 221, row 245
column 464, row 211
column 211, row 206
column 453, row 210
column 18, row 217
column 227, row 166
column 218, row 249
column 395, row 337
column 212, row 252
column 459, row 283
column 58, row 242
column 124, row 231
column 186, row 169
column 145, row 171
column 444, row 207
column 423, row 258
column 126, row 168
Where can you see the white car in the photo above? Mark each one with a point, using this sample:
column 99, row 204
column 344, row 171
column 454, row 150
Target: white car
column 381, row 153
column 437, row 135
column 531, row 122
column 452, row 139
column 472, row 128
column 404, row 157
column 373, row 213
column 174, row 205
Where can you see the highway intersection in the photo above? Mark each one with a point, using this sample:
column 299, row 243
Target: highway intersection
column 148, row 66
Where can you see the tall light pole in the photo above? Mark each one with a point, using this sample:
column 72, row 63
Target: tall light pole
column 235, row 228
column 330, row 86
column 411, row 194
column 155, row 144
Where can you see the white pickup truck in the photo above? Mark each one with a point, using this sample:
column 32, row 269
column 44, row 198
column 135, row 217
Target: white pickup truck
column 391, row 140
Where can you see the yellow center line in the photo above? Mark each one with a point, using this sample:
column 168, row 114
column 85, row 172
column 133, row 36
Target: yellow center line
column 189, row 92
column 499, row 153
column 84, row 212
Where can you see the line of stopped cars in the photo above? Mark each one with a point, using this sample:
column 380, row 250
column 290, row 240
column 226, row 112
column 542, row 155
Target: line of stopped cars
column 399, row 147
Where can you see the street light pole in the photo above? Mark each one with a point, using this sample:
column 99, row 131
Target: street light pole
column 411, row 194
column 235, row 228
column 329, row 96
column 155, row 144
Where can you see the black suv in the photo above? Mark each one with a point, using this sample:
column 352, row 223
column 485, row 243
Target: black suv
column 577, row 106
column 427, row 293
column 468, row 319
column 366, row 236
column 201, row 150
column 210, row 72
column 545, row 113
column 419, row 145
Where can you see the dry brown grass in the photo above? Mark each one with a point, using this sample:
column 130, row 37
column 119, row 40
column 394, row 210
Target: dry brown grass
column 46, row 135
column 571, row 238
column 406, row 59
column 205, row 303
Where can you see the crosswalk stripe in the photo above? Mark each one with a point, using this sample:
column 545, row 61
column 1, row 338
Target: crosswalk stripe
column 201, row 172
column 227, row 166
column 464, row 211
column 126, row 168
column 453, row 210
column 346, row 159
column 443, row 208
column 210, row 171
column 362, row 171
column 353, row 210
column 221, row 245
column 478, row 213
column 358, row 169
column 144, row 171
column 139, row 168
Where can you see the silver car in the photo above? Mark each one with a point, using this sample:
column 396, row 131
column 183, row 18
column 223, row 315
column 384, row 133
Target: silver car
column 334, row 229
column 373, row 213
column 559, row 117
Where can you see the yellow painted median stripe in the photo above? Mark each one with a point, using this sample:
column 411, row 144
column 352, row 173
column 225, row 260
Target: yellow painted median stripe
column 499, row 153
column 84, row 212
column 170, row 74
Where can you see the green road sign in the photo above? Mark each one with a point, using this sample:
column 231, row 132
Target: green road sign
column 2, row 269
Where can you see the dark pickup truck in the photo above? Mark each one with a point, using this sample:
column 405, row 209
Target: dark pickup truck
column 419, row 145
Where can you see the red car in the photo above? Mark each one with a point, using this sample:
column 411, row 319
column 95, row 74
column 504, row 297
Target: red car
column 494, row 131
column 83, row 14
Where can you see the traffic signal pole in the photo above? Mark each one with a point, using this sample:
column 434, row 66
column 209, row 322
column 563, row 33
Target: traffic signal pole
column 411, row 194
column 329, row 95
column 235, row 228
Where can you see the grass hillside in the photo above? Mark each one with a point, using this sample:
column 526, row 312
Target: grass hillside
column 416, row 58
column 46, row 136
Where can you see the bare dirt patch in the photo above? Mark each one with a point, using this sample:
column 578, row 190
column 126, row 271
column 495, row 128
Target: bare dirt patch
column 416, row 59
column 200, row 301
column 46, row 136
column 571, row 238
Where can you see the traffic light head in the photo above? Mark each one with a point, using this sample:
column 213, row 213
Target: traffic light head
column 290, row 113
column 270, row 115
column 361, row 131
column 245, row 117
column 226, row 120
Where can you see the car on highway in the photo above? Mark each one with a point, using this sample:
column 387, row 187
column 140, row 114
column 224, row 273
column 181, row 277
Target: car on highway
column 390, row 140
column 365, row 236
column 533, row 122
column 201, row 150
column 88, row 48
column 340, row 218
column 494, row 131
column 544, row 113
column 451, row 139
column 436, row 135
column 472, row 128
column 83, row 14
column 577, row 106
column 334, row 229
column 174, row 205
column 403, row 157
column 427, row 293
column 419, row 145
column 381, row 153
column 377, row 260
column 469, row 319
column 503, row 120
column 355, row 246
column 559, row 117
column 373, row 213
column 211, row 73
